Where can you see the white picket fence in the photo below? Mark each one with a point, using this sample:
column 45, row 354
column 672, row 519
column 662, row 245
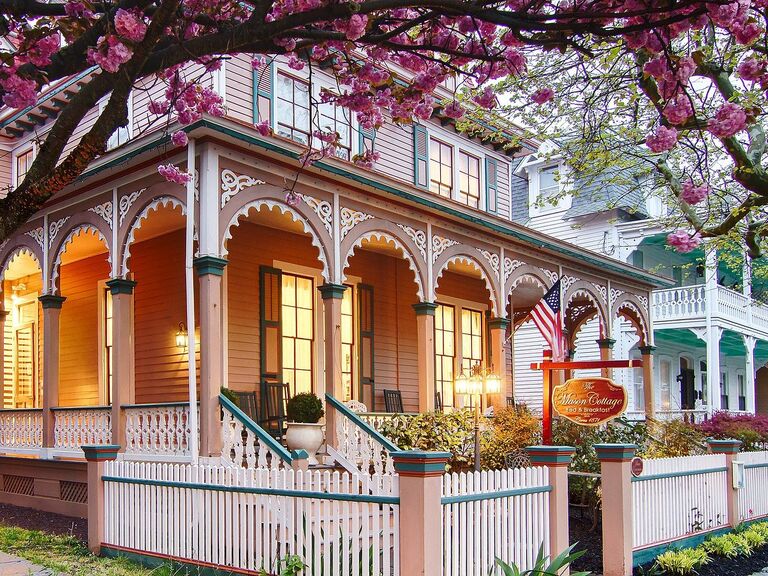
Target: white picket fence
column 676, row 497
column 338, row 523
column 490, row 514
column 752, row 498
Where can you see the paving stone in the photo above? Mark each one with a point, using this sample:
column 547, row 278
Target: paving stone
column 15, row 566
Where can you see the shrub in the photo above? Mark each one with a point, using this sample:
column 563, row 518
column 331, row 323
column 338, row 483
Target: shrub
column 751, row 429
column 543, row 565
column 727, row 545
column 229, row 395
column 682, row 561
column 512, row 429
column 673, row 438
column 436, row 431
column 304, row 408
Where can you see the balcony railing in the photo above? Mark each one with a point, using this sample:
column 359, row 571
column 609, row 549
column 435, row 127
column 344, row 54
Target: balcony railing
column 690, row 303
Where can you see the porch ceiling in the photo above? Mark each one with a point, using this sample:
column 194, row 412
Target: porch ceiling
column 84, row 245
column 22, row 265
column 731, row 343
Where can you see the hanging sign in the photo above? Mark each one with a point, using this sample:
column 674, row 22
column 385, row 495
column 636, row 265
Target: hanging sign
column 589, row 401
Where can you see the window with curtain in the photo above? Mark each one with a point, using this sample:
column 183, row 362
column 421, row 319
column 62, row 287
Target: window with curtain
column 440, row 168
column 445, row 352
column 469, row 180
column 297, row 294
column 292, row 108
column 107, row 339
column 348, row 343
column 471, row 339
column 665, row 375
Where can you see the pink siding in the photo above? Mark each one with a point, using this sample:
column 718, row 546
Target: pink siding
column 395, row 144
column 240, row 88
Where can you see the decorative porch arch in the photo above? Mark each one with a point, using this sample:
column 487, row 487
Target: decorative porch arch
column 526, row 273
column 61, row 248
column 17, row 248
column 381, row 232
column 631, row 309
column 586, row 290
column 458, row 253
column 295, row 215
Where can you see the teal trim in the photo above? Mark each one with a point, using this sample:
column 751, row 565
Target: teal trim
column 645, row 350
column 645, row 555
column 605, row 343
column 498, row 323
column 679, row 474
column 386, row 443
column 425, row 308
column 120, row 286
column 724, row 446
column 100, row 452
column 494, row 495
column 189, row 567
column 367, row 498
column 751, row 466
column 155, row 405
column 271, row 443
column 332, row 291
column 51, row 301
column 419, row 132
column 362, row 134
column 268, row 70
column 517, row 234
column 614, row 452
column 550, row 454
column 420, row 467
column 210, row 265
column 491, row 185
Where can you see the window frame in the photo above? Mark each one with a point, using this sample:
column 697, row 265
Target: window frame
column 461, row 193
column 432, row 173
column 277, row 103
column 22, row 151
column 347, row 120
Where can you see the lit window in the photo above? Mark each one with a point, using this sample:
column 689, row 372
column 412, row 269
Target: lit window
column 347, row 343
column 665, row 371
column 469, row 180
column 471, row 339
column 292, row 108
column 107, row 339
column 445, row 352
column 298, row 333
column 441, row 168
column 23, row 163
column 336, row 119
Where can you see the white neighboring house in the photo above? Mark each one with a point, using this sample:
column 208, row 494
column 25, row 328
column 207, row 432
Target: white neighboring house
column 711, row 336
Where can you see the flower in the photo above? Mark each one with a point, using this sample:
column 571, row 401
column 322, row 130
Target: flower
column 664, row 139
column 730, row 119
column 129, row 25
column 109, row 53
column 356, row 26
column 682, row 241
column 678, row 109
column 292, row 198
column 263, row 128
column 692, row 194
column 179, row 138
column 454, row 110
column 486, row 99
column 19, row 92
column 367, row 159
column 751, row 69
column 543, row 95
column 173, row 174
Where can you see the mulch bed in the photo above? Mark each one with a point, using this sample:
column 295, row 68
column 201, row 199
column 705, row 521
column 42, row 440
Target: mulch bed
column 586, row 538
column 739, row 566
column 43, row 521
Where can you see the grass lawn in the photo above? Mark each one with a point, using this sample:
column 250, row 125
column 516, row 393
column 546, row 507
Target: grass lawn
column 67, row 554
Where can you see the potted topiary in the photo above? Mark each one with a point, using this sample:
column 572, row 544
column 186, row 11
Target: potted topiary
column 304, row 433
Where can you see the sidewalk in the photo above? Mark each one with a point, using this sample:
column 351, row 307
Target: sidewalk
column 15, row 566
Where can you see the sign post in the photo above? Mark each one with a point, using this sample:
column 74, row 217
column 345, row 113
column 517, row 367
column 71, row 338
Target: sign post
column 586, row 401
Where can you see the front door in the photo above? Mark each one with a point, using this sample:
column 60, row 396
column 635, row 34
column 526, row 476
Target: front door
column 24, row 365
column 687, row 380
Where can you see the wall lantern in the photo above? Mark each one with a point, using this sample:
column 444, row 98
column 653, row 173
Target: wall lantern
column 479, row 382
column 182, row 337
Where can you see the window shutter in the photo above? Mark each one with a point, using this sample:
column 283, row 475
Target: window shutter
column 491, row 182
column 421, row 156
column 365, row 313
column 263, row 93
column 270, row 302
column 366, row 139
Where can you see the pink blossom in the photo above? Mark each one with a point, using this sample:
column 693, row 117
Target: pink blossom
column 751, row 69
column 692, row 194
column 263, row 128
column 747, row 33
column 109, row 53
column 454, row 110
column 543, row 95
column 258, row 62
column 158, row 107
column 730, row 119
column 356, row 26
column 77, row 10
column 662, row 140
column 40, row 53
column 678, row 109
column 295, row 63
column 292, row 198
column 486, row 99
column 367, row 159
column 129, row 25
column 19, row 92
column 656, row 67
column 173, row 174
column 516, row 61
column 179, row 138
column 683, row 242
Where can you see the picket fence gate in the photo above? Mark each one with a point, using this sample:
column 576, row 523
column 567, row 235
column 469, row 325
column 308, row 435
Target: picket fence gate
column 494, row 514
column 338, row 523
column 677, row 497
column 752, row 498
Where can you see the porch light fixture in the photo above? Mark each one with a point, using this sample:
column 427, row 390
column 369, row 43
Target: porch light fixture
column 480, row 382
column 182, row 337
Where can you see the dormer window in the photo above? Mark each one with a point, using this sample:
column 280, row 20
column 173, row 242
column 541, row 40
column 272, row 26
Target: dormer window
column 548, row 183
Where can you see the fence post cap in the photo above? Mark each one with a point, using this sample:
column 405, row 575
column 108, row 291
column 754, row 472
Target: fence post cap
column 420, row 463
column 300, row 454
column 615, row 452
column 730, row 446
column 550, row 455
column 100, row 452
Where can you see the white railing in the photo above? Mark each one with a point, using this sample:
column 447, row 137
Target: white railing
column 377, row 420
column 760, row 317
column 337, row 523
column 676, row 497
column 160, row 431
column 494, row 514
column 358, row 446
column 76, row 427
column 733, row 305
column 245, row 443
column 679, row 303
column 693, row 416
column 753, row 502
column 21, row 430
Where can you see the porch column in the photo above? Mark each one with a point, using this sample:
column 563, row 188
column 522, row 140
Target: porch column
column 51, row 314
column 3, row 318
column 123, row 387
column 425, row 334
column 649, row 390
column 332, row 296
column 209, row 271
column 713, row 367
column 498, row 329
column 606, row 353
column 749, row 371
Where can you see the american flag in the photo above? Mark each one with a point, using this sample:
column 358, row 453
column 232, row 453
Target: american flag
column 549, row 320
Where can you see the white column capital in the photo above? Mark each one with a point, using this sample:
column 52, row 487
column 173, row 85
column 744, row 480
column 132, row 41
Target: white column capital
column 749, row 342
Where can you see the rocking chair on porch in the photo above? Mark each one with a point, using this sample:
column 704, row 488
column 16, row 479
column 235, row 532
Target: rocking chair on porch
column 393, row 401
column 274, row 398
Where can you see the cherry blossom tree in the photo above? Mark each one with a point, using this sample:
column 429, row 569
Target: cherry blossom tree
column 388, row 56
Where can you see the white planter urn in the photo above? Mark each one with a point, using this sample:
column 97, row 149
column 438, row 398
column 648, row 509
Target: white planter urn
column 302, row 436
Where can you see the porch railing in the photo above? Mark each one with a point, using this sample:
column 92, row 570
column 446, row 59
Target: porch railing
column 358, row 446
column 157, row 431
column 81, row 425
column 21, row 430
column 693, row 416
column 377, row 420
